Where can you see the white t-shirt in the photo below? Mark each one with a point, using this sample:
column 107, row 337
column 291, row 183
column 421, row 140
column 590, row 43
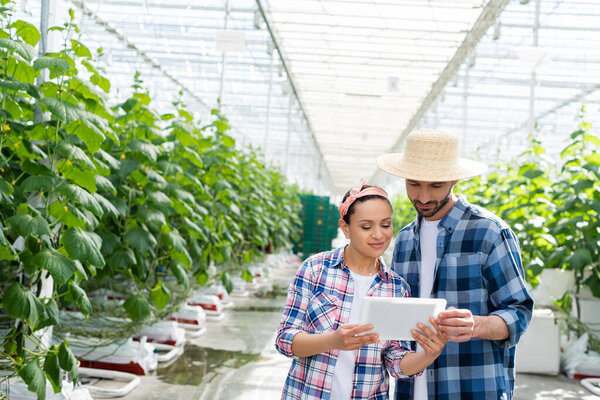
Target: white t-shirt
column 428, row 235
column 341, row 385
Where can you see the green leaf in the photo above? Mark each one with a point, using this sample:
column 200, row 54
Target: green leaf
column 104, row 184
column 247, row 276
column 88, row 133
column 107, row 206
column 175, row 240
column 80, row 177
column 59, row 266
column 228, row 141
column 147, row 149
column 180, row 272
column 227, row 282
column 53, row 63
column 580, row 258
column 35, row 379
column 80, row 50
column 533, row 173
column 83, row 246
column 80, row 298
column 26, row 225
column 192, row 156
column 23, row 49
column 137, row 307
column 101, row 82
column 81, row 196
column 73, row 152
column 142, row 240
column 27, row 32
column 152, row 216
column 64, row 215
column 49, row 315
column 201, row 278
column 67, row 360
column 52, row 370
column 29, row 88
column 122, row 258
column 160, row 199
column 23, row 72
column 6, row 191
column 40, row 184
column 64, row 111
column 18, row 301
column 160, row 295
column 593, row 140
column 110, row 160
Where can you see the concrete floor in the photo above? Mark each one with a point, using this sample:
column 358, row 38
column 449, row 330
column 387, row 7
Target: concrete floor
column 236, row 360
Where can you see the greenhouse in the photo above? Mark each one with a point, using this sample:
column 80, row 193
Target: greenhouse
column 268, row 199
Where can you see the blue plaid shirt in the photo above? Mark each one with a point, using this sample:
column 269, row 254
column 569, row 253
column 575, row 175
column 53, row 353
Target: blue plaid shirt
column 478, row 267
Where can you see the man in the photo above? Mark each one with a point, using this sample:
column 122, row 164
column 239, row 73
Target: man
column 468, row 256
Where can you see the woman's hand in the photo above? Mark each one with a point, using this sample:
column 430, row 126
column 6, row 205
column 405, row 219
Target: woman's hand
column 349, row 337
column 432, row 342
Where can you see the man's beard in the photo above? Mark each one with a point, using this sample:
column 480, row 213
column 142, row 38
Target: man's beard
column 438, row 205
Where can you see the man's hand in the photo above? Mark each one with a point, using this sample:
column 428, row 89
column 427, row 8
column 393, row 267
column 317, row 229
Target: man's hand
column 457, row 324
column 349, row 337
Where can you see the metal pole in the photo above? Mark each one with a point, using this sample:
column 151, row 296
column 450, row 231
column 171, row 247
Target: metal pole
column 532, row 80
column 43, row 43
column 289, row 133
column 268, row 119
column 223, row 60
column 465, row 116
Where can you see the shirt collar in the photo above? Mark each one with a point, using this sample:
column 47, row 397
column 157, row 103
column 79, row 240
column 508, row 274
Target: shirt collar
column 337, row 261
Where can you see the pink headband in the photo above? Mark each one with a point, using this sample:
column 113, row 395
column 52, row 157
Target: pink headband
column 356, row 193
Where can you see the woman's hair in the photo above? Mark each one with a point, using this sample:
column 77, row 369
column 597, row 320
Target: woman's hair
column 350, row 211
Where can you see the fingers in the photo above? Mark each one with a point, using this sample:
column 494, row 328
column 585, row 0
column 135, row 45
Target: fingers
column 353, row 336
column 457, row 338
column 431, row 342
column 358, row 329
column 454, row 313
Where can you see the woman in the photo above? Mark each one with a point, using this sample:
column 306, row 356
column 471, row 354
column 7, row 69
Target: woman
column 333, row 356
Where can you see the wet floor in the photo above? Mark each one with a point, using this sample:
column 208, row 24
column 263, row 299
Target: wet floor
column 235, row 359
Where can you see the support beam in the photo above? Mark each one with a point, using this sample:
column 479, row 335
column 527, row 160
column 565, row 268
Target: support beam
column 486, row 19
column 292, row 85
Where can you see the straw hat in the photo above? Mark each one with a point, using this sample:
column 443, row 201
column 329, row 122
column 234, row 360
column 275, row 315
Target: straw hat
column 431, row 156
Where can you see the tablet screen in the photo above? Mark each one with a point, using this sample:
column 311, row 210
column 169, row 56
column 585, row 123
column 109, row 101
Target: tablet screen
column 394, row 317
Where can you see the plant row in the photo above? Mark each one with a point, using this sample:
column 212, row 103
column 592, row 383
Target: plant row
column 92, row 194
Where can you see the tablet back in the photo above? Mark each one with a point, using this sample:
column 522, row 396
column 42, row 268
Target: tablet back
column 394, row 317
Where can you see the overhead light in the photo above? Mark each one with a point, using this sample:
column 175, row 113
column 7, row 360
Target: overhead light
column 257, row 20
column 496, row 31
column 393, row 84
column 363, row 95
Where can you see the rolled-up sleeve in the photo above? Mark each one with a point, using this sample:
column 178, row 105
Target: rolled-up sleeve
column 505, row 281
column 393, row 354
column 292, row 321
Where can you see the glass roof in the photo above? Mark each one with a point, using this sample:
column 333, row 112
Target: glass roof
column 363, row 68
column 324, row 86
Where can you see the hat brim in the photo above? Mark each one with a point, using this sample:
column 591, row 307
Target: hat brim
column 394, row 164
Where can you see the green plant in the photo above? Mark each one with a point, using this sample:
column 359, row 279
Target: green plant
column 120, row 197
column 575, row 224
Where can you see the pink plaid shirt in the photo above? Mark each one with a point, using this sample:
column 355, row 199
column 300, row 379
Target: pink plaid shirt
column 319, row 301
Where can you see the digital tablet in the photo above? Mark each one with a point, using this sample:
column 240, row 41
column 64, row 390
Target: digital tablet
column 394, row 317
